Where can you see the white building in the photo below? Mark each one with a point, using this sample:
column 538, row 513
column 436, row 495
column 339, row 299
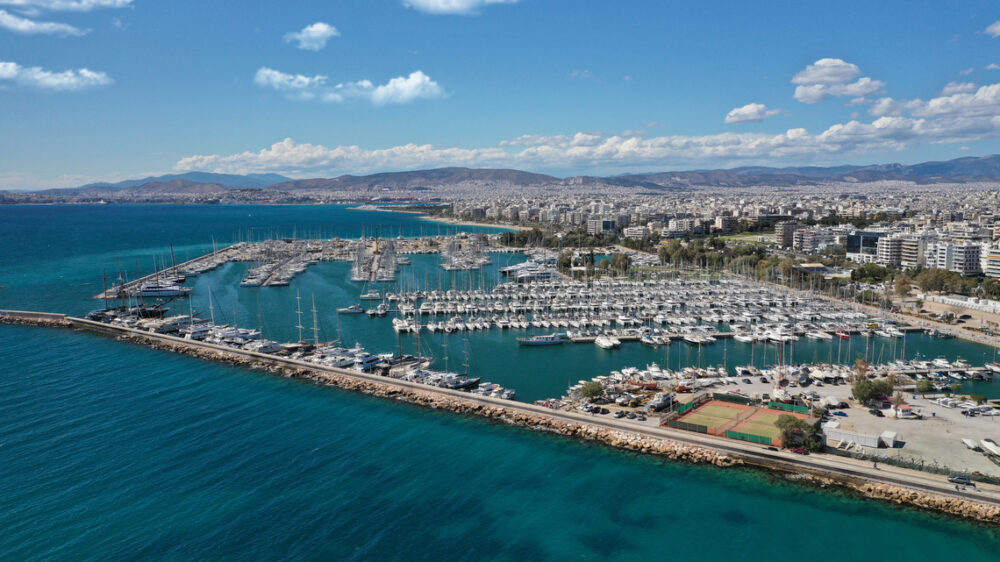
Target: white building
column 963, row 258
column 635, row 232
column 889, row 251
column 991, row 261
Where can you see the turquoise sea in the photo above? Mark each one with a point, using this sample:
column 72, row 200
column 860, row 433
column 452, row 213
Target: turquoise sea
column 110, row 450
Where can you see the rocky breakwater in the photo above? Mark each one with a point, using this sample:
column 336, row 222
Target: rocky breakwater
column 966, row 509
column 21, row 318
column 520, row 415
column 513, row 414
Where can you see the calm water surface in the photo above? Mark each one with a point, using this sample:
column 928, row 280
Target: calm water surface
column 109, row 450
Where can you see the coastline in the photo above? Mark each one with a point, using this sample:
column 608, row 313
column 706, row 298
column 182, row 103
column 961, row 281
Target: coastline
column 888, row 484
column 446, row 220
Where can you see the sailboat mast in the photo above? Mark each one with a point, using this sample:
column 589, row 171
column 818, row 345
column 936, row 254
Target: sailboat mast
column 298, row 311
column 315, row 322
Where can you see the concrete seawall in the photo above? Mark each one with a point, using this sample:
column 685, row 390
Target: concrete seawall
column 897, row 486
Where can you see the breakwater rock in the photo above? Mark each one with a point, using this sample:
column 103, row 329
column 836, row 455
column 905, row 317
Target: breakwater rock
column 965, row 509
column 517, row 414
column 44, row 320
column 619, row 439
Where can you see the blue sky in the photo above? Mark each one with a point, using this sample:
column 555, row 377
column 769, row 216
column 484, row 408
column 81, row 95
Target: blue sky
column 109, row 89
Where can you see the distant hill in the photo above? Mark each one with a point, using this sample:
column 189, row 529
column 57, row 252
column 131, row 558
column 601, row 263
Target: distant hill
column 486, row 180
column 960, row 170
column 418, row 179
column 254, row 181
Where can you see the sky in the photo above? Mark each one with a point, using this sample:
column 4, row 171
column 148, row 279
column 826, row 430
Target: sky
column 104, row 90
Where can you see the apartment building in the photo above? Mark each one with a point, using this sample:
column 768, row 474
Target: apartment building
column 889, row 251
column 784, row 233
column 963, row 258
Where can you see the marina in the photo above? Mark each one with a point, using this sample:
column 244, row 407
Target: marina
column 627, row 433
column 536, row 373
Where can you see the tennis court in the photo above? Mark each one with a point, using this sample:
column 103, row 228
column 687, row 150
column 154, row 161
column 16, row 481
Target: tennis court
column 716, row 415
column 762, row 423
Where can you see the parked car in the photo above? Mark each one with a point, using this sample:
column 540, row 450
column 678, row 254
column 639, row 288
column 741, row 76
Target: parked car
column 630, row 415
column 799, row 451
column 876, row 412
column 962, row 480
column 747, row 381
column 763, row 380
column 839, row 413
column 620, row 414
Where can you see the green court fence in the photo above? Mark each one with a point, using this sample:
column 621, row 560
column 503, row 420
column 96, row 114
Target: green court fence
column 687, row 426
column 760, row 439
column 683, row 408
column 788, row 407
column 734, row 398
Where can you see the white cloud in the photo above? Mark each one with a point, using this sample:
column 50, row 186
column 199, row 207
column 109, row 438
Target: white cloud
column 65, row 5
column 966, row 71
column 750, row 113
column 562, row 151
column 296, row 85
column 827, row 71
column 31, row 27
column 961, row 117
column 814, row 93
column 994, row 29
column 890, row 107
column 957, row 88
column 582, row 74
column 39, row 78
column 312, row 37
column 993, row 66
column 832, row 77
column 402, row 89
column 461, row 7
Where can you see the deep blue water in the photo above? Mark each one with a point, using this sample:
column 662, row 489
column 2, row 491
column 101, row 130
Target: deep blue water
column 110, row 450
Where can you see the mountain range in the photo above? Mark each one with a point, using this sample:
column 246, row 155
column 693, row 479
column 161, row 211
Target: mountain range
column 961, row 170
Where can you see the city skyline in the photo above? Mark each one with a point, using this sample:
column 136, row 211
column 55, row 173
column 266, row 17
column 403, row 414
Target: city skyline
column 103, row 90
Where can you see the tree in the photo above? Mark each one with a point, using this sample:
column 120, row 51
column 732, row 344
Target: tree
column 860, row 370
column 902, row 285
column 955, row 387
column 924, row 386
column 796, row 432
column 785, row 267
column 565, row 260
column 620, row 262
column 864, row 391
column 870, row 273
column 591, row 389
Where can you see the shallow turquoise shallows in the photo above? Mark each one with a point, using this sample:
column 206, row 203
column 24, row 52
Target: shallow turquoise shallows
column 111, row 450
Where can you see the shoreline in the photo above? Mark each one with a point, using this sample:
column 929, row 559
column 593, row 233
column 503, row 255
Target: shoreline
column 888, row 485
column 448, row 220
